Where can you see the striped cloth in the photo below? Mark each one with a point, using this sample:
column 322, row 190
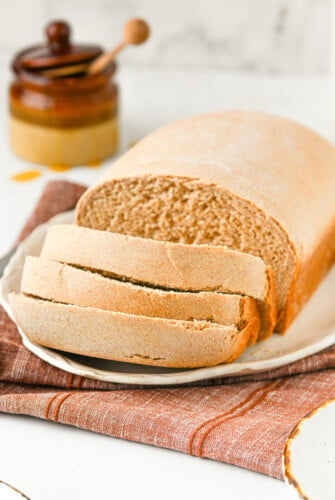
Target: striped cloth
column 242, row 421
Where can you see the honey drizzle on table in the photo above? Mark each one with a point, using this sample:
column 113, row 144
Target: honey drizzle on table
column 29, row 175
column 59, row 168
column 25, row 176
column 93, row 164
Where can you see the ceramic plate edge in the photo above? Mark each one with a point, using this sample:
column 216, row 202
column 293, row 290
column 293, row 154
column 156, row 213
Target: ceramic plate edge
column 289, row 477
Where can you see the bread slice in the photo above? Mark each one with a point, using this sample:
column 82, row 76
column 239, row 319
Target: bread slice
column 166, row 265
column 126, row 337
column 58, row 282
column 253, row 182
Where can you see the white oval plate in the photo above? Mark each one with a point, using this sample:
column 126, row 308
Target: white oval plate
column 312, row 331
column 309, row 455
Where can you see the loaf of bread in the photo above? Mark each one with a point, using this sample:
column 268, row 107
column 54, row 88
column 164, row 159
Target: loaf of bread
column 252, row 182
column 166, row 265
column 50, row 280
column 128, row 337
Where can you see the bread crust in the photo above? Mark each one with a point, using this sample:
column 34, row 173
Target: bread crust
column 126, row 337
column 166, row 265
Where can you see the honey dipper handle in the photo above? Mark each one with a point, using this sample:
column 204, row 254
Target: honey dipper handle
column 135, row 32
column 101, row 62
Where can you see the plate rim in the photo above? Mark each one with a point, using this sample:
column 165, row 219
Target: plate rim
column 290, row 479
column 60, row 360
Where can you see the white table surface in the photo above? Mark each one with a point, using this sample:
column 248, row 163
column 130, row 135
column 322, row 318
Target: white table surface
column 54, row 461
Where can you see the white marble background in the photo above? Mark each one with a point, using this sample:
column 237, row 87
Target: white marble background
column 280, row 36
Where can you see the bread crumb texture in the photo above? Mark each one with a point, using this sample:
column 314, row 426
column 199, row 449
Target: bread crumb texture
column 188, row 211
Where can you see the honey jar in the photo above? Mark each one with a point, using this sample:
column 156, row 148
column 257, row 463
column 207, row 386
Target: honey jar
column 57, row 117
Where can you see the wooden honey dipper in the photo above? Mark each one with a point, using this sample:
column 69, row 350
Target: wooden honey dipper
column 135, row 32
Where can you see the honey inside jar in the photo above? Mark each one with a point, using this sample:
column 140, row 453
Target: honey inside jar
column 62, row 120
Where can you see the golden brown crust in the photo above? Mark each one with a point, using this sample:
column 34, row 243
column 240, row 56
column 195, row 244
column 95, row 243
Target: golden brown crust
column 310, row 274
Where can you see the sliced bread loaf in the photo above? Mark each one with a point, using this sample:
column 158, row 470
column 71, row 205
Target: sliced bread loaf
column 256, row 183
column 166, row 265
column 59, row 282
column 126, row 337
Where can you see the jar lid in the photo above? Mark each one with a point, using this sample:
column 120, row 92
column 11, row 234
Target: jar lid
column 57, row 52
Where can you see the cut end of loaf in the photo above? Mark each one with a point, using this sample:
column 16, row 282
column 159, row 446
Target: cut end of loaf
column 185, row 210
